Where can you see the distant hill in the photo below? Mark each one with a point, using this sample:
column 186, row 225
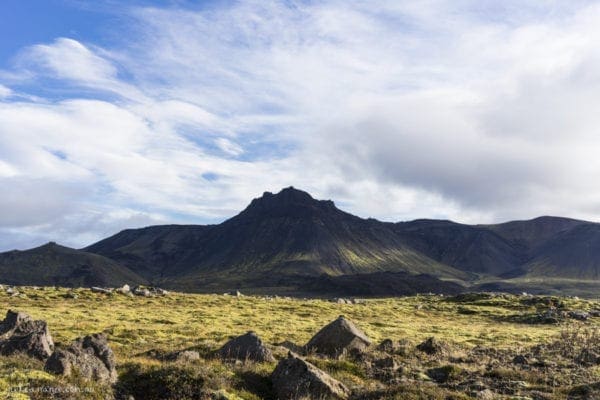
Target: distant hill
column 572, row 253
column 53, row 264
column 290, row 239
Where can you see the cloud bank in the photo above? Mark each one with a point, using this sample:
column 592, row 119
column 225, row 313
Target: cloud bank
column 473, row 111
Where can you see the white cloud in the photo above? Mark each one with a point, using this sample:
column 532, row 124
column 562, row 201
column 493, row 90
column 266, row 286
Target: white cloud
column 475, row 111
column 4, row 91
column 69, row 59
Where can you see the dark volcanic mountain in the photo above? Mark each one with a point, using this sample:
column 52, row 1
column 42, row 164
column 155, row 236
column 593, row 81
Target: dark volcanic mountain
column 291, row 240
column 53, row 264
column 288, row 233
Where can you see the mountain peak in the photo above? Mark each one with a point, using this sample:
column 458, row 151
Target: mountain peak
column 289, row 194
column 288, row 200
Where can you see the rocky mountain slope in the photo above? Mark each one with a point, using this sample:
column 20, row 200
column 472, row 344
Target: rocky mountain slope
column 290, row 239
column 288, row 233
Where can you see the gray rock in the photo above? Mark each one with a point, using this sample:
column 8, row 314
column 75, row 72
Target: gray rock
column 294, row 378
column 125, row 289
column 90, row 357
column 387, row 345
column 386, row 363
column 337, row 338
column 96, row 289
column 158, row 291
column 247, row 347
column 141, row 291
column 183, row 356
column 19, row 333
column 520, row 359
column 578, row 315
column 594, row 313
column 432, row 346
column 486, row 394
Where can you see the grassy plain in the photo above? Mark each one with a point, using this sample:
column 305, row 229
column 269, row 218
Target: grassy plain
column 139, row 325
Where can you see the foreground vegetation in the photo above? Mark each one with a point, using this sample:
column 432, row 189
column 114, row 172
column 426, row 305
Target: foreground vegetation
column 480, row 337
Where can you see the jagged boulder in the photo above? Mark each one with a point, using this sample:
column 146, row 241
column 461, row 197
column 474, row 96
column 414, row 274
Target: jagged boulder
column 337, row 338
column 295, row 378
column 433, row 346
column 387, row 346
column 19, row 333
column 90, row 357
column 247, row 347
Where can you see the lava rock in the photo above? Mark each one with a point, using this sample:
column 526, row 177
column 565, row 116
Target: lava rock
column 19, row 333
column 295, row 378
column 90, row 357
column 337, row 338
column 432, row 346
column 247, row 347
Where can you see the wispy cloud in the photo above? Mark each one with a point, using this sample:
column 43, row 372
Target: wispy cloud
column 469, row 110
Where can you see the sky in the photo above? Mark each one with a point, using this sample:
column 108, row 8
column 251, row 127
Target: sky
column 119, row 115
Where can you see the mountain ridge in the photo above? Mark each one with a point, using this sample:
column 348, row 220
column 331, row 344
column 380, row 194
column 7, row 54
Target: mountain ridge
column 290, row 236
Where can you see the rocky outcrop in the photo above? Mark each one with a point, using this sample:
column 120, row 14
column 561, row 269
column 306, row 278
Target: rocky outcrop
column 337, row 338
column 90, row 357
column 19, row 333
column 247, row 347
column 294, row 378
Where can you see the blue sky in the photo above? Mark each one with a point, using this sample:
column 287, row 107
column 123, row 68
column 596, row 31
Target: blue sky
column 115, row 116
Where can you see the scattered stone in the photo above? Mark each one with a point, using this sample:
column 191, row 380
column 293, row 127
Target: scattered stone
column 588, row 357
column 388, row 363
column 19, row 333
column 183, row 356
column 444, row 374
column 485, row 394
column 520, row 359
column 594, row 313
column 247, row 347
column 387, row 345
column 359, row 301
column 337, row 338
column 578, row 315
column 71, row 295
column 158, row 291
column 291, row 346
column 125, row 289
column 585, row 392
column 96, row 289
column 295, row 378
column 432, row 346
column 471, row 297
column 90, row 357
column 141, row 291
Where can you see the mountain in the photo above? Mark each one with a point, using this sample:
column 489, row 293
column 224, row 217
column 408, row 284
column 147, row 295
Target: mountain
column 288, row 233
column 469, row 248
column 290, row 241
column 571, row 254
column 52, row 264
